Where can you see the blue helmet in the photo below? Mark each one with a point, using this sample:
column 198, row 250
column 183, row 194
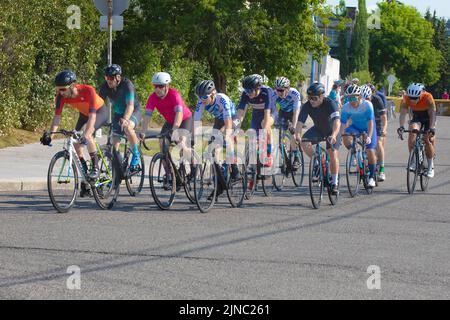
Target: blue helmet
column 65, row 78
column 112, row 70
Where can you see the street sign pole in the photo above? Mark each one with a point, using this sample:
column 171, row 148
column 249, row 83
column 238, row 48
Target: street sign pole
column 110, row 9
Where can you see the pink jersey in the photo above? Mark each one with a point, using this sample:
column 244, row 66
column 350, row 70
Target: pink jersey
column 167, row 106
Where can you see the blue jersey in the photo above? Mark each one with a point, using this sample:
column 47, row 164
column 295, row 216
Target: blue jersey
column 291, row 103
column 360, row 116
column 222, row 108
column 263, row 101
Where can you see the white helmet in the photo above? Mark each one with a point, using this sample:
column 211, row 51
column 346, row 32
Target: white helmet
column 282, row 83
column 353, row 90
column 366, row 91
column 161, row 78
column 414, row 90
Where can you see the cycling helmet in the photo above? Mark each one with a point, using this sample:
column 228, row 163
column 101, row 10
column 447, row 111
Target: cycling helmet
column 65, row 78
column 316, row 89
column 112, row 70
column 414, row 90
column 282, row 83
column 366, row 91
column 204, row 88
column 252, row 82
column 161, row 78
column 353, row 90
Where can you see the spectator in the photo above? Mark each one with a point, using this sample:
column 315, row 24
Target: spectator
column 335, row 94
column 445, row 95
column 301, row 88
column 355, row 81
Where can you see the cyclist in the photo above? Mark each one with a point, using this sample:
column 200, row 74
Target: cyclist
column 290, row 102
column 171, row 106
column 223, row 111
column 424, row 113
column 127, row 109
column 370, row 92
column 361, row 112
column 260, row 98
column 325, row 114
column 92, row 113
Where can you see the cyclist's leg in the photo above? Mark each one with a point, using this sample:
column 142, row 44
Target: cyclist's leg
column 311, row 134
column 101, row 118
column 347, row 139
column 117, row 130
column 79, row 148
column 371, row 153
column 413, row 124
column 333, row 152
column 132, row 137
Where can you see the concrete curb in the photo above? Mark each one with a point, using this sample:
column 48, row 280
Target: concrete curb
column 23, row 185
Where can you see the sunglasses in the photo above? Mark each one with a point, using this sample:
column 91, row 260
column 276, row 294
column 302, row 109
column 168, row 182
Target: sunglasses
column 110, row 78
column 62, row 89
column 249, row 91
column 280, row 90
column 159, row 86
column 204, row 98
column 353, row 99
column 313, row 98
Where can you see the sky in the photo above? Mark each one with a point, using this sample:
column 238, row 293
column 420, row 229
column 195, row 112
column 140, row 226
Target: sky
column 442, row 7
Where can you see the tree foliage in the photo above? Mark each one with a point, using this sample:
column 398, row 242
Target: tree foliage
column 360, row 43
column 404, row 43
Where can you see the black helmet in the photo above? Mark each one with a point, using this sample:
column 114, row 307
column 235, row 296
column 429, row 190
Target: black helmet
column 204, row 88
column 252, row 82
column 65, row 78
column 113, row 70
column 316, row 89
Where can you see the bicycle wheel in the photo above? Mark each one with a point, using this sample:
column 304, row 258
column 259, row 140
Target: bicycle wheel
column 135, row 181
column 252, row 181
column 299, row 173
column 236, row 188
column 107, row 186
column 162, row 180
column 62, row 182
column 412, row 171
column 187, row 172
column 352, row 172
column 205, row 185
column 279, row 168
column 267, row 180
column 366, row 176
column 423, row 173
column 333, row 197
column 315, row 181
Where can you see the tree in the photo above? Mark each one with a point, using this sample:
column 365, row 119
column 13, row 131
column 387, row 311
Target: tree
column 266, row 36
column 404, row 43
column 442, row 44
column 360, row 43
column 342, row 39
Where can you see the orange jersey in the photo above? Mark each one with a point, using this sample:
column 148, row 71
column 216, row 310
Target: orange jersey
column 423, row 104
column 86, row 102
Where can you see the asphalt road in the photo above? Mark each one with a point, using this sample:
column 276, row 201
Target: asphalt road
column 272, row 248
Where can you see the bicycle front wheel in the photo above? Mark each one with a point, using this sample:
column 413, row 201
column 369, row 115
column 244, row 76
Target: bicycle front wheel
column 236, row 187
column 412, row 171
column 62, row 182
column 135, row 180
column 298, row 173
column 205, row 185
column 107, row 186
column 352, row 172
column 163, row 182
column 423, row 174
column 315, row 181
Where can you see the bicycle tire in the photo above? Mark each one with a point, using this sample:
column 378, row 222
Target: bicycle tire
column 298, row 174
column 279, row 171
column 234, row 193
column 252, row 181
column 352, row 170
column 72, row 196
column 205, row 176
column 158, row 184
column 107, row 186
column 139, row 177
column 315, row 181
column 411, row 175
column 186, row 177
column 424, row 179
